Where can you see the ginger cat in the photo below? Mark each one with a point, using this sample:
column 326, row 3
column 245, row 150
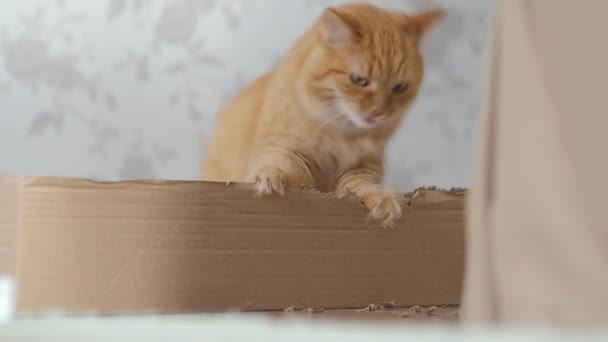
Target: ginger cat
column 323, row 117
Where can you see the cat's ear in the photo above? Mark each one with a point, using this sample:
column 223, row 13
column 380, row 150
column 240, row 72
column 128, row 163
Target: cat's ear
column 424, row 21
column 337, row 30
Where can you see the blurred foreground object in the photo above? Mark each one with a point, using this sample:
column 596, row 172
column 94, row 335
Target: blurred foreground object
column 538, row 216
column 253, row 328
column 7, row 298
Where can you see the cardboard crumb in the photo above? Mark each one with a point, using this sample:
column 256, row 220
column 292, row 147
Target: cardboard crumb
column 308, row 188
column 389, row 305
column 381, row 306
column 315, row 310
column 290, row 309
column 431, row 311
column 404, row 315
column 228, row 183
column 369, row 308
column 416, row 309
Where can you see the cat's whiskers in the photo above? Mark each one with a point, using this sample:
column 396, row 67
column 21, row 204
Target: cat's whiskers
column 302, row 122
column 334, row 103
column 309, row 117
column 328, row 121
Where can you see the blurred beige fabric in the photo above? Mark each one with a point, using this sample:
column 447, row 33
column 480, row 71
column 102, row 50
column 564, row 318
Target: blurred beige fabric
column 538, row 211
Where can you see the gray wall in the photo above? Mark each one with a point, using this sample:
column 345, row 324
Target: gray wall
column 116, row 89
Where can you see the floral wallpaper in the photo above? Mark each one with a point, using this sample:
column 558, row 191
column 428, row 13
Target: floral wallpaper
column 123, row 89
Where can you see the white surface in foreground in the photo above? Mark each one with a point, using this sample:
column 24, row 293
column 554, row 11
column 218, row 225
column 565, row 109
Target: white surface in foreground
column 7, row 298
column 251, row 328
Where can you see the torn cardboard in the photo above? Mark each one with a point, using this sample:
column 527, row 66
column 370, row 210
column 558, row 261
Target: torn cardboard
column 379, row 313
column 190, row 246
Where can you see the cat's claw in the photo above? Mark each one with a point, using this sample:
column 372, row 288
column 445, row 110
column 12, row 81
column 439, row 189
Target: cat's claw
column 385, row 206
column 269, row 182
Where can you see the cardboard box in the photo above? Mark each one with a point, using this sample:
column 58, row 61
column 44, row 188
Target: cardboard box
column 185, row 246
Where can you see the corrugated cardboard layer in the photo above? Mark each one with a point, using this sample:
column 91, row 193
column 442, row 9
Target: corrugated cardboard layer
column 197, row 246
column 9, row 204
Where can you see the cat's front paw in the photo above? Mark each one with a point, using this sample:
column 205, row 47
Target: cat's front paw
column 385, row 206
column 268, row 180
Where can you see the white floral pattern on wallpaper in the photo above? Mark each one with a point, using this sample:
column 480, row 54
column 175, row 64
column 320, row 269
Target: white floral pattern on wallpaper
column 123, row 89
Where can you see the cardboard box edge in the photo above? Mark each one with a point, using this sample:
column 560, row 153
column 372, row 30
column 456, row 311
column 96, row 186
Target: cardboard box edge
column 42, row 181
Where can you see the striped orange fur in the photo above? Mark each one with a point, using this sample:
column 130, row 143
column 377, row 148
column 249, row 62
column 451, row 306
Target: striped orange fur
column 324, row 115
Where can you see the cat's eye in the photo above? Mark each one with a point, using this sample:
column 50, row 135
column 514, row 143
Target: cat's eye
column 359, row 80
column 400, row 88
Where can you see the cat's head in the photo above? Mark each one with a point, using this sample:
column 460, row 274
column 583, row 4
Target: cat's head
column 366, row 68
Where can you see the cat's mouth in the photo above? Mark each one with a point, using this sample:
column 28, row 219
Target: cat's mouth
column 358, row 119
column 362, row 121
